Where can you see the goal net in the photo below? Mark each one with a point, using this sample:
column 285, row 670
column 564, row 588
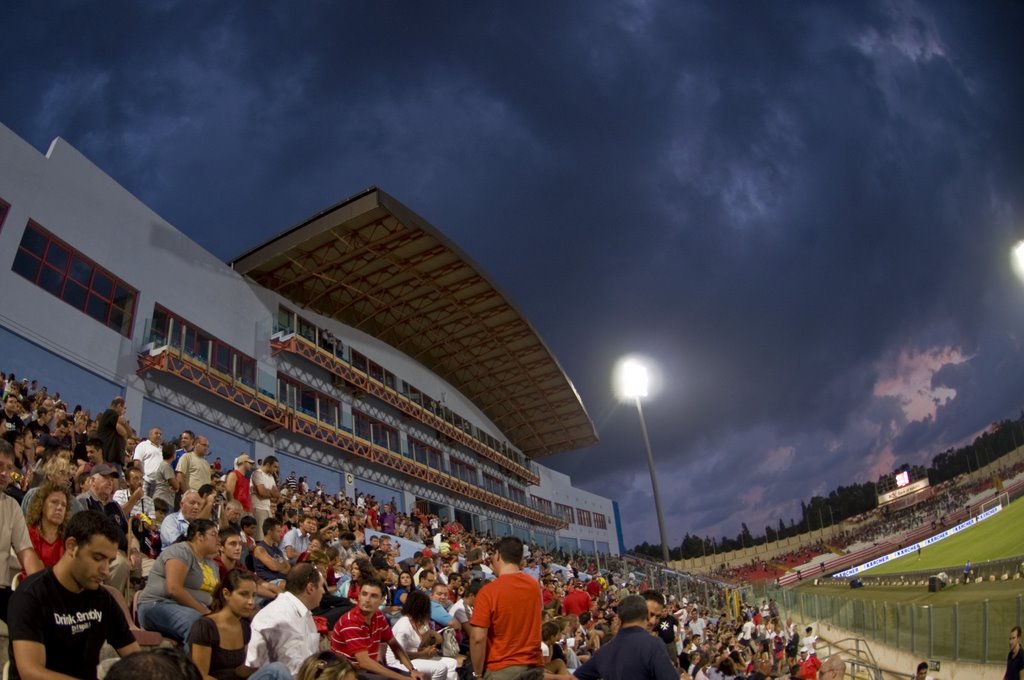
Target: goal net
column 1001, row 500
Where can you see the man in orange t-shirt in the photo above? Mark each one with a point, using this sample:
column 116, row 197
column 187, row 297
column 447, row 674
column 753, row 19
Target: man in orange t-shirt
column 504, row 637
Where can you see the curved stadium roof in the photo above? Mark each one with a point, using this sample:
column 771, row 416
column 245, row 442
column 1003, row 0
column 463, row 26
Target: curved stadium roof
column 373, row 264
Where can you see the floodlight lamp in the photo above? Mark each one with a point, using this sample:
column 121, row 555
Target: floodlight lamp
column 1017, row 258
column 633, row 379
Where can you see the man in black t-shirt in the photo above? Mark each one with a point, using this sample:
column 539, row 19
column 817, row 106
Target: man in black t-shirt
column 1015, row 659
column 66, row 610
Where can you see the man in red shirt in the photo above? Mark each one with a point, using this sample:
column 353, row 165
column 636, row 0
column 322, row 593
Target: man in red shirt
column 359, row 633
column 809, row 665
column 504, row 638
column 577, row 601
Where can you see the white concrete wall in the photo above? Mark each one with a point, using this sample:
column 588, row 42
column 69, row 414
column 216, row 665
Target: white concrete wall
column 105, row 222
column 557, row 488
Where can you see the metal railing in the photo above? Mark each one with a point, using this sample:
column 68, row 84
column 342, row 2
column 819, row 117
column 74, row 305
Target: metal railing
column 967, row 631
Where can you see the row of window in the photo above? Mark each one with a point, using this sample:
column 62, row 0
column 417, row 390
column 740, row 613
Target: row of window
column 291, row 322
column 64, row 272
column 584, row 518
column 171, row 329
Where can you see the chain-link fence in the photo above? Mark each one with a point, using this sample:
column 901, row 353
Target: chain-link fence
column 968, row 631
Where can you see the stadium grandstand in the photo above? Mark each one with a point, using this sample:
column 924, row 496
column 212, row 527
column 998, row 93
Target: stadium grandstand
column 385, row 390
column 361, row 348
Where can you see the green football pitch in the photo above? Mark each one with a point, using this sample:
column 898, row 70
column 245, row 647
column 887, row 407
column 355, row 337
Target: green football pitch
column 961, row 621
column 998, row 537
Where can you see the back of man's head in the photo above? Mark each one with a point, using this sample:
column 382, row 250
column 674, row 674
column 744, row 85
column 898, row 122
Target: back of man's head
column 301, row 575
column 510, row 549
column 633, row 609
column 654, row 596
column 157, row 664
column 474, row 587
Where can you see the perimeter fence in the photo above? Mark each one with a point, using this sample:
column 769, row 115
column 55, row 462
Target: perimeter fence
column 968, row 631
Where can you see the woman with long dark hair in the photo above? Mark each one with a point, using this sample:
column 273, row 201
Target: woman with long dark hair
column 423, row 645
column 218, row 641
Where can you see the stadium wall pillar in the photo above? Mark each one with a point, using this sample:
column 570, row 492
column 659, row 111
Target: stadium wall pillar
column 897, row 660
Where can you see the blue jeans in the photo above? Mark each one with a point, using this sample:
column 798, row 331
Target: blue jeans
column 273, row 671
column 168, row 618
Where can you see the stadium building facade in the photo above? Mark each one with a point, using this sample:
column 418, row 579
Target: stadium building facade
column 361, row 348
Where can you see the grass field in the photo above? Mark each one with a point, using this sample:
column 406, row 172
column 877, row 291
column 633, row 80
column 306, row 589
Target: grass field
column 962, row 621
column 998, row 537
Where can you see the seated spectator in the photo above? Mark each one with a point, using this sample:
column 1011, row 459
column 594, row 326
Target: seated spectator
column 231, row 517
column 61, row 617
column 219, row 641
column 14, row 535
column 100, row 498
column 439, row 608
column 284, row 630
column 57, row 470
column 146, row 530
column 269, row 561
column 359, row 633
column 134, row 500
column 296, row 541
column 554, row 655
column 47, row 515
column 326, row 666
column 229, row 558
column 359, row 569
column 180, row 586
column 332, row 606
column 176, row 524
column 400, row 593
column 421, row 644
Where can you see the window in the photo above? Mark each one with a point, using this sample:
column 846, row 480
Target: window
column 426, row 454
column 464, row 471
column 599, row 522
column 565, row 512
column 542, row 504
column 517, row 494
column 376, row 431
column 358, row 361
column 169, row 328
column 583, row 517
column 494, row 485
column 62, row 271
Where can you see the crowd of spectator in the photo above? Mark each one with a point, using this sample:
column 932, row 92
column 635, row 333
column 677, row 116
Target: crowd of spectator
column 246, row 568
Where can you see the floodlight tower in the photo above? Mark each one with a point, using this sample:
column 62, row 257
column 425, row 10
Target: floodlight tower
column 632, row 384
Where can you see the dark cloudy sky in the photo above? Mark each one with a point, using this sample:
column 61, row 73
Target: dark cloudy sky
column 801, row 211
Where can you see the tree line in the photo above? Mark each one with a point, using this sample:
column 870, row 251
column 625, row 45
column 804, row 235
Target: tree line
column 844, row 502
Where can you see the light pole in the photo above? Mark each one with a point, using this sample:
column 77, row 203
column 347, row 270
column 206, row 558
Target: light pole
column 633, row 385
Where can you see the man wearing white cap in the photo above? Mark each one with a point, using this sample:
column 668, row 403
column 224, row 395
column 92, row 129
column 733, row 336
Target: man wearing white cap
column 237, row 483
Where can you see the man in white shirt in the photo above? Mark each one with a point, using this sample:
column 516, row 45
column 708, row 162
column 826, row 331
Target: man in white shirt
column 284, row 631
column 296, row 541
column 150, row 453
column 263, row 487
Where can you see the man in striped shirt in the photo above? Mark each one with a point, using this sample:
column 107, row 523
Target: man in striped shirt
column 359, row 633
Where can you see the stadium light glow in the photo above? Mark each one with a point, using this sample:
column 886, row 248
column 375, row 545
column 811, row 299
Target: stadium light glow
column 631, row 384
column 633, row 379
column 1017, row 259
